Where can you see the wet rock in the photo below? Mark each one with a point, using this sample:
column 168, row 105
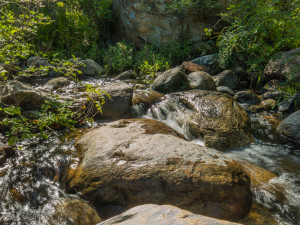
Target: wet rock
column 126, row 75
column 56, row 83
column 88, row 67
column 6, row 151
column 290, row 127
column 19, row 94
column 247, row 97
column 165, row 214
column 269, row 103
column 277, row 95
column 201, row 80
column 119, row 104
column 213, row 116
column 143, row 22
column 226, row 90
column 290, row 105
column 140, row 87
column 258, row 175
column 283, row 65
column 144, row 99
column 75, row 212
column 192, row 67
column 131, row 162
column 260, row 215
column 169, row 81
column 37, row 61
column 208, row 61
column 227, row 78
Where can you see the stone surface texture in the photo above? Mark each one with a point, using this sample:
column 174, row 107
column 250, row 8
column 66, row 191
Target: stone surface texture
column 132, row 162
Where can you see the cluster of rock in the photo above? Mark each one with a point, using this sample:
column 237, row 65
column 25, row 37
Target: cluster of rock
column 132, row 162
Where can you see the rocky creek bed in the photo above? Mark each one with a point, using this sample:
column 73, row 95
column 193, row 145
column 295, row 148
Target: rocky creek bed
column 201, row 156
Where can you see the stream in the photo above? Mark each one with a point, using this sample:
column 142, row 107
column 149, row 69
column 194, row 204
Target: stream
column 31, row 189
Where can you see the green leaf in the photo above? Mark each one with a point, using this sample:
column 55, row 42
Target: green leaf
column 60, row 4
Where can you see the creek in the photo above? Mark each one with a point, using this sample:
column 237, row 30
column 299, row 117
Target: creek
column 31, row 189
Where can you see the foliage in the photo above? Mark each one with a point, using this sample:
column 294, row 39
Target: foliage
column 260, row 29
column 16, row 32
column 79, row 27
column 119, row 57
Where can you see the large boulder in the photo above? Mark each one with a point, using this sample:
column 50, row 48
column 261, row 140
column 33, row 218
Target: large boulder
column 143, row 21
column 227, row 78
column 290, row 127
column 201, row 80
column 169, row 81
column 118, row 106
column 165, row 214
column 283, row 65
column 131, row 162
column 25, row 96
column 213, row 116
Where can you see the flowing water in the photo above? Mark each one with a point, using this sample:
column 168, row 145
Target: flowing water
column 280, row 195
column 30, row 182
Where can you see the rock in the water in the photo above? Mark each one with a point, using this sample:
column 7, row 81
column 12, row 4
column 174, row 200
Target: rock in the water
column 208, row 61
column 119, row 104
column 142, row 22
column 283, row 65
column 269, row 103
column 290, row 105
column 37, row 61
column 247, row 97
column 131, row 162
column 56, row 83
column 88, row 67
column 6, row 152
column 169, row 81
column 151, row 214
column 226, row 90
column 126, row 75
column 19, row 94
column 75, row 212
column 213, row 116
column 192, row 67
column 201, row 80
column 290, row 127
column 277, row 95
column 227, row 78
column 143, row 99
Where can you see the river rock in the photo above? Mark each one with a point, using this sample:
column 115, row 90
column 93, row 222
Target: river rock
column 37, row 61
column 88, row 67
column 290, row 127
column 169, row 81
column 290, row 105
column 6, row 151
column 161, row 214
column 227, row 78
column 192, row 67
column 283, row 65
column 18, row 94
column 129, row 74
column 119, row 104
column 75, row 212
column 247, row 97
column 142, row 100
column 131, row 162
column 213, row 116
column 143, row 22
column 226, row 90
column 56, row 83
column 201, row 80
column 209, row 61
column 276, row 95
